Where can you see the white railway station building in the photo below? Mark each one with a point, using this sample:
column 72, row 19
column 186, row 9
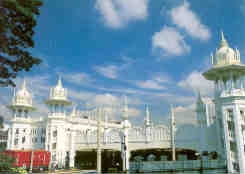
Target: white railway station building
column 221, row 122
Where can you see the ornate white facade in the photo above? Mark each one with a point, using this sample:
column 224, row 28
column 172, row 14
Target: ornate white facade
column 221, row 122
column 228, row 75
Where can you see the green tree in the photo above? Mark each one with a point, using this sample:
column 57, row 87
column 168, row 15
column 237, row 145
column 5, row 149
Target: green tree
column 6, row 162
column 17, row 22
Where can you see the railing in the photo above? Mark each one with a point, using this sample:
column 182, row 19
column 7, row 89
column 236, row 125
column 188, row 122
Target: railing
column 188, row 165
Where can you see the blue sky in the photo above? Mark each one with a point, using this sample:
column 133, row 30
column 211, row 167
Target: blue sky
column 152, row 51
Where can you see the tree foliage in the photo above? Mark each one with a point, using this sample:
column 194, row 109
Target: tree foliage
column 17, row 22
column 6, row 162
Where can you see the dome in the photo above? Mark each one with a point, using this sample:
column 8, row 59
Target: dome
column 225, row 55
column 23, row 97
column 58, row 93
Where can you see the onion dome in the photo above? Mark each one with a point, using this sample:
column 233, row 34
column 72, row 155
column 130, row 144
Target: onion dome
column 22, row 98
column 225, row 55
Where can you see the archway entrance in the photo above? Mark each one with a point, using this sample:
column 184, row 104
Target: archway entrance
column 111, row 160
column 161, row 154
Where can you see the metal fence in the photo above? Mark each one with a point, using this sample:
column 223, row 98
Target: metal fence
column 188, row 165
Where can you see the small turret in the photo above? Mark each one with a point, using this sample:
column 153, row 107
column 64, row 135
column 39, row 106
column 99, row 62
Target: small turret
column 225, row 55
column 74, row 111
column 22, row 102
column 58, row 100
column 147, row 116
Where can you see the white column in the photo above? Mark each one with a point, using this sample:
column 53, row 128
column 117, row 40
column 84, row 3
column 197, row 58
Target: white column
column 72, row 151
column 46, row 137
column 227, row 142
column 98, row 142
column 9, row 138
column 12, row 139
column 239, row 139
column 124, row 148
column 173, row 133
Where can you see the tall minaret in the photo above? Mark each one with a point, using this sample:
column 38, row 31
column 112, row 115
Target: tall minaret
column 55, row 128
column 172, row 122
column 147, row 116
column 21, row 106
column 126, row 125
column 201, row 117
column 227, row 73
column 148, row 125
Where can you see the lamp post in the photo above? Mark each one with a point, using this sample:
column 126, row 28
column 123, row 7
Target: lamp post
column 99, row 141
column 173, row 133
column 32, row 156
column 199, row 155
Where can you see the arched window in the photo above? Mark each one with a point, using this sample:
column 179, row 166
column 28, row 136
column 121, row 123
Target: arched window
column 26, row 113
column 151, row 157
column 23, row 140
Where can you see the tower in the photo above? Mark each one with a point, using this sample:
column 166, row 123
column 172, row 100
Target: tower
column 20, row 106
column 201, row 117
column 147, row 116
column 228, row 72
column 56, row 126
column 126, row 125
column 57, row 100
column 148, row 124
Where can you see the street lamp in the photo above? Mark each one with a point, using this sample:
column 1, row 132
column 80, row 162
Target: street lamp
column 199, row 155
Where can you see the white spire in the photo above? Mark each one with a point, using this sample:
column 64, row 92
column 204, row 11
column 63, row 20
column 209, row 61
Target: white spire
column 172, row 132
column 14, row 92
column 59, row 82
column 147, row 115
column 223, row 41
column 212, row 58
column 125, row 108
column 74, row 111
column 23, row 86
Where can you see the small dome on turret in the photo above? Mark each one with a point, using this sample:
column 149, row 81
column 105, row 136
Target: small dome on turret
column 58, row 92
column 22, row 97
column 225, row 55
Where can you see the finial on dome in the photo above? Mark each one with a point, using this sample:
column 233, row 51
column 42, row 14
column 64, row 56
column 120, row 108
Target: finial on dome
column 212, row 58
column 59, row 81
column 74, row 111
column 24, row 84
column 147, row 112
column 14, row 92
column 125, row 107
column 223, row 41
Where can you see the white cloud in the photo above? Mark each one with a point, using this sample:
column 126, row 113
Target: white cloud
column 185, row 115
column 195, row 81
column 113, row 104
column 170, row 42
column 185, row 18
column 118, row 13
column 109, row 71
column 162, row 78
column 77, row 78
column 150, row 84
column 133, row 112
